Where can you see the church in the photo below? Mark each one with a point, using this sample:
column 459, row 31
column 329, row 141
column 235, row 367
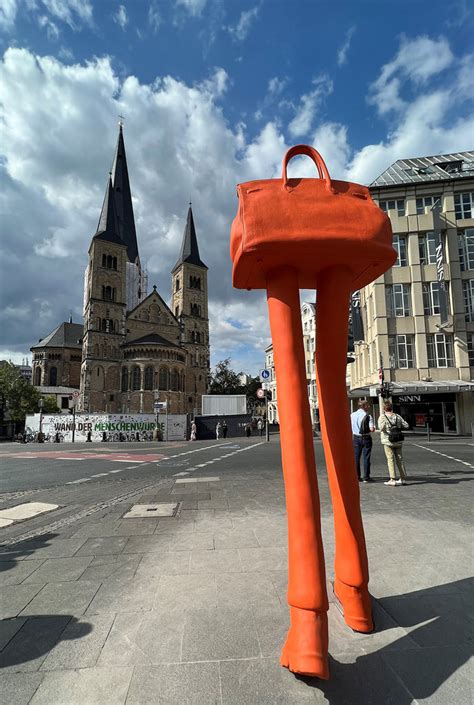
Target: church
column 135, row 348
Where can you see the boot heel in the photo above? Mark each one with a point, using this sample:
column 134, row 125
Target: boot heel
column 356, row 606
column 306, row 647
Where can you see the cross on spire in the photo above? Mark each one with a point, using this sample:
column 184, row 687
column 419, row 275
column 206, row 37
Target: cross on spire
column 121, row 119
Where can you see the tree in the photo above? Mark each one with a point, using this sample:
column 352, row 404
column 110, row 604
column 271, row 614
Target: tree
column 224, row 380
column 17, row 396
column 50, row 405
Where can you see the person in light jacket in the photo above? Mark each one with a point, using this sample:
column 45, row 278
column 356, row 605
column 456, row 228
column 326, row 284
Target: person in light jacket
column 393, row 449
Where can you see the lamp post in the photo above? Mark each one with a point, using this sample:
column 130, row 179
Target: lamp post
column 40, row 434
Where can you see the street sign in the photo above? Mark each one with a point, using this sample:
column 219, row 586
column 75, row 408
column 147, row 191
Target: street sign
column 265, row 385
column 75, row 394
column 372, row 391
column 264, row 374
column 260, row 393
column 159, row 406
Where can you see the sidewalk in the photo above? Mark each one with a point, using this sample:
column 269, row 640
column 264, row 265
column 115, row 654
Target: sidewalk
column 192, row 609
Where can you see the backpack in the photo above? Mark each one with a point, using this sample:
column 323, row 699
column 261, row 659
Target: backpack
column 365, row 425
column 395, row 434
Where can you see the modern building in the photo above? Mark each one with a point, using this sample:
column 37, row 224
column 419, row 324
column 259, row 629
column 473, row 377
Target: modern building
column 133, row 349
column 429, row 362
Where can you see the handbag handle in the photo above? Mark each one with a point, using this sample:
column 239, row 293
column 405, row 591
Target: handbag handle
column 317, row 159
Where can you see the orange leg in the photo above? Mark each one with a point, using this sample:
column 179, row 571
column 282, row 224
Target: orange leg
column 305, row 650
column 351, row 568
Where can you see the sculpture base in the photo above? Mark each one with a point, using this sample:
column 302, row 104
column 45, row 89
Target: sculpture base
column 356, row 606
column 306, row 648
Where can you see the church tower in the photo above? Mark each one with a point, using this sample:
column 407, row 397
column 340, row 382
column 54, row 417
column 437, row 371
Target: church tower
column 190, row 306
column 104, row 311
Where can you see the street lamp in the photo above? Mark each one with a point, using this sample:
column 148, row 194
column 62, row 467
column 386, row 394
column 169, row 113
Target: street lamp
column 40, row 434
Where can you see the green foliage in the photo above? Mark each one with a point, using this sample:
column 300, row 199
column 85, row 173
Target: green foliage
column 50, row 406
column 225, row 381
column 17, row 396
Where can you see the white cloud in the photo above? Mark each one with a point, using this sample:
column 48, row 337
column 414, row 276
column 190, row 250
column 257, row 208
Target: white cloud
column 121, row 17
column 417, row 61
column 51, row 28
column 344, row 50
column 193, row 7
column 306, row 112
column 276, row 86
column 72, row 12
column 8, row 10
column 243, row 26
column 154, row 17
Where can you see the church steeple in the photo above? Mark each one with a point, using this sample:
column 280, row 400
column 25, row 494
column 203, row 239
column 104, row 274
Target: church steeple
column 123, row 199
column 189, row 248
column 107, row 227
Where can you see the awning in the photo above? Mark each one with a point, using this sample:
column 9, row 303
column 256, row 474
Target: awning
column 439, row 387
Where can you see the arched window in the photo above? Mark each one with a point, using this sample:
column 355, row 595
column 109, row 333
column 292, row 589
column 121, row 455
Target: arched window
column 176, row 311
column 124, row 379
column 198, row 337
column 175, row 381
column 108, row 293
column 114, row 263
column 38, row 377
column 149, row 377
column 53, row 377
column 136, row 378
column 104, row 260
column 177, row 284
column 109, row 261
column 163, row 378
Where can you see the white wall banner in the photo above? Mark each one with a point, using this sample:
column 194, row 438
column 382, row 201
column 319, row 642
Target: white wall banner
column 125, row 427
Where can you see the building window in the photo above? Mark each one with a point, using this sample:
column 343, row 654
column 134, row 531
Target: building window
column 194, row 282
column 440, row 350
column 427, row 248
column 431, row 298
column 149, row 377
column 466, row 249
column 396, row 205
column 38, row 377
column 53, row 377
column 136, row 378
column 468, row 295
column 400, row 351
column 64, row 402
column 426, row 202
column 124, row 386
column 470, row 348
column 177, row 284
column 398, row 300
column 463, row 205
column 108, row 293
column 175, row 381
column 163, row 378
column 400, row 247
column 195, row 310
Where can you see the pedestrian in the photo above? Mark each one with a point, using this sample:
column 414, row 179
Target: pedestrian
column 193, row 431
column 248, row 430
column 224, row 428
column 362, row 427
column 260, row 426
column 391, row 437
column 218, row 430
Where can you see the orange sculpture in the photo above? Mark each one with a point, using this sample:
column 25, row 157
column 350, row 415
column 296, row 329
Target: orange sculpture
column 330, row 236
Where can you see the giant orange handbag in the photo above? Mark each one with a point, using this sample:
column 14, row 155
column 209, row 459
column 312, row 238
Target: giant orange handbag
column 327, row 222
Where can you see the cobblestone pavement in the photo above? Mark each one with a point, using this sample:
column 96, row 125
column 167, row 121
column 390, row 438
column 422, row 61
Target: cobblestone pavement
column 192, row 609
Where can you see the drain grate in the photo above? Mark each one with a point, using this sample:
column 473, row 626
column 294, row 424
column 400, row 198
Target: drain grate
column 158, row 509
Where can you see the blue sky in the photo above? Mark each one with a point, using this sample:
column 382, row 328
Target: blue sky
column 213, row 93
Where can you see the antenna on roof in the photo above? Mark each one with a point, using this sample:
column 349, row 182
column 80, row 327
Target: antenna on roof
column 70, row 316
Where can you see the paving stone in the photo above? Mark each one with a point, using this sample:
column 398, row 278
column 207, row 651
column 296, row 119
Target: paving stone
column 87, row 686
column 31, row 644
column 227, row 561
column 14, row 598
column 176, row 684
column 221, row 633
column 265, row 682
column 263, row 559
column 122, row 567
column 183, row 592
column 81, row 643
column 121, row 648
column 13, row 573
column 271, row 537
column 235, row 538
column 18, row 688
column 147, row 544
column 131, row 527
column 272, row 624
column 62, row 598
column 102, row 546
column 243, row 589
column 156, row 564
column 127, row 595
column 203, row 541
column 55, row 548
column 55, row 570
column 8, row 629
column 213, row 504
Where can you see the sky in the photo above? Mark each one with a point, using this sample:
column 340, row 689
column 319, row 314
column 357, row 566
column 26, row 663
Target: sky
column 212, row 92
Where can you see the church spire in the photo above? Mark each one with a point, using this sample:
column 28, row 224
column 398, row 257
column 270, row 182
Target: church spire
column 189, row 248
column 107, row 227
column 123, row 198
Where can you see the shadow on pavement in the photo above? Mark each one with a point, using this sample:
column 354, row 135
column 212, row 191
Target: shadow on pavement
column 414, row 667
column 11, row 554
column 26, row 639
